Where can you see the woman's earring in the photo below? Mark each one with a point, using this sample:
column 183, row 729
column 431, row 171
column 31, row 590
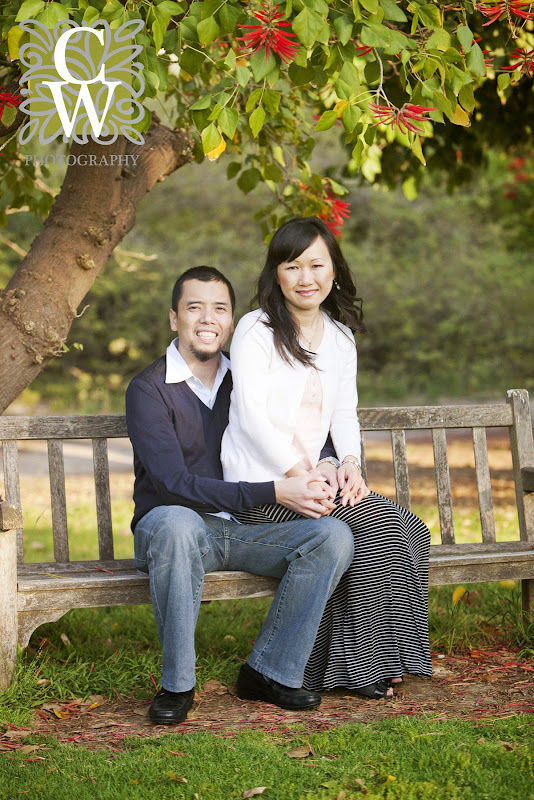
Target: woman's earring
column 338, row 287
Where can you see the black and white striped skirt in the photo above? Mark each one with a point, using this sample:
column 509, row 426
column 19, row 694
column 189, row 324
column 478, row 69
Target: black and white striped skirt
column 375, row 624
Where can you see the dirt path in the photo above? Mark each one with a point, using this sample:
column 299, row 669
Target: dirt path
column 481, row 685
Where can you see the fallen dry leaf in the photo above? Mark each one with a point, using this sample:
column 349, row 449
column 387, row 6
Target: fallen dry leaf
column 43, row 682
column 361, row 784
column 30, row 748
column 391, row 778
column 213, row 686
column 174, row 777
column 507, row 745
column 255, row 791
column 65, row 639
column 301, row 752
column 341, row 795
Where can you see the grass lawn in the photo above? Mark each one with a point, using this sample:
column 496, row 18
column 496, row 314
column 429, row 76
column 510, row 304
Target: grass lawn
column 114, row 652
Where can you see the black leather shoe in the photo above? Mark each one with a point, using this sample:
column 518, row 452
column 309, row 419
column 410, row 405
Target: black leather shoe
column 252, row 685
column 170, row 708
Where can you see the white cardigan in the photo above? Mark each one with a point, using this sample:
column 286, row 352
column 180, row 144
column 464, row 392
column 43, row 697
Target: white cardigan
column 257, row 444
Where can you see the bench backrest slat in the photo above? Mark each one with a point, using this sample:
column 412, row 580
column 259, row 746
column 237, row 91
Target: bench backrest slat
column 10, row 457
column 56, row 471
column 103, row 499
column 425, row 417
column 485, row 501
column 400, row 468
column 522, row 456
column 443, row 485
column 79, row 426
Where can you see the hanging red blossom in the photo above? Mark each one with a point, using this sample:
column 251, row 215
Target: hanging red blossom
column 525, row 61
column 519, row 8
column 336, row 214
column 8, row 99
column 269, row 33
column 404, row 118
column 363, row 50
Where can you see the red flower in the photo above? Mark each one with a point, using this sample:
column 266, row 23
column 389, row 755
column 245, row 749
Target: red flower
column 363, row 50
column 404, row 118
column 526, row 60
column 7, row 99
column 516, row 7
column 336, row 213
column 268, row 32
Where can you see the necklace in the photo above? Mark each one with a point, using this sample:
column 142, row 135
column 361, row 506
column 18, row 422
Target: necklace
column 310, row 339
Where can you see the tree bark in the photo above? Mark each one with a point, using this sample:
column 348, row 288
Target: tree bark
column 93, row 212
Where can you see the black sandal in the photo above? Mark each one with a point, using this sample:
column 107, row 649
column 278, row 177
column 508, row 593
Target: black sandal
column 375, row 691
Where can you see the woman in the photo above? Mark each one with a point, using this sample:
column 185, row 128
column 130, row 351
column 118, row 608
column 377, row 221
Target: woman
column 294, row 374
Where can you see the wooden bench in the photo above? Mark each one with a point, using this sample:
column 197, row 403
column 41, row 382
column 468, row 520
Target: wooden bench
column 34, row 593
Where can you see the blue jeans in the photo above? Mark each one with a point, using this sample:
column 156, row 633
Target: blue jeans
column 177, row 546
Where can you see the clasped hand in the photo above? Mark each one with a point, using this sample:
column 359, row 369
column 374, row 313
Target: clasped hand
column 347, row 479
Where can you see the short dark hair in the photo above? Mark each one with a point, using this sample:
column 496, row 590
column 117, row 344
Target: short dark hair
column 205, row 274
column 288, row 243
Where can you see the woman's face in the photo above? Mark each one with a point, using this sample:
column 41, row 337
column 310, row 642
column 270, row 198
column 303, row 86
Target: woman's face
column 307, row 280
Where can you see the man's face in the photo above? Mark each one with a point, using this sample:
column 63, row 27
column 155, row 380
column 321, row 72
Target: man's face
column 203, row 319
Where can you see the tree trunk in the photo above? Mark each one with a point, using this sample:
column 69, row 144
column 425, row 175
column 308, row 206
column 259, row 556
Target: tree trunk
column 94, row 210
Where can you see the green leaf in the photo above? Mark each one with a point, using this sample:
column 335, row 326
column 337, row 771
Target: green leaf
column 343, row 28
column 392, row 11
column 171, row 8
column 326, row 121
column 465, row 37
column 300, row 76
column 13, row 40
column 29, row 10
column 232, row 169
column 215, row 113
column 253, row 99
column 151, row 83
column 230, row 59
column 207, row 31
column 271, row 101
column 242, row 75
column 201, row 104
column 90, row 15
column 417, row 150
column 157, row 33
column 228, row 17
column 272, row 172
column 350, row 118
column 375, row 35
column 228, row 119
column 308, row 25
column 209, row 7
column 249, row 179
column 458, row 78
column 191, row 60
column 467, row 97
column 440, row 40
column 370, row 5
column 53, row 13
column 348, row 81
column 9, row 115
column 430, row 16
column 261, row 66
column 317, row 5
column 503, row 81
column 409, row 187
column 256, row 120
column 475, row 61
column 278, row 154
column 210, row 138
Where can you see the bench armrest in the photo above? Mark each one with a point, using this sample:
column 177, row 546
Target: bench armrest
column 10, row 516
column 527, row 478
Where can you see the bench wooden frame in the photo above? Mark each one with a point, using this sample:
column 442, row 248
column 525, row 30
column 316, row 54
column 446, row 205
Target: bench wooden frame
column 31, row 594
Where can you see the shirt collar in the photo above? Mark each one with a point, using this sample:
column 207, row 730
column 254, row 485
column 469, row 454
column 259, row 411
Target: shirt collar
column 177, row 369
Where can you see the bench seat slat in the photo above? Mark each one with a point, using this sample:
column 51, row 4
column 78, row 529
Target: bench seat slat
column 103, row 499
column 485, row 501
column 443, row 485
column 10, row 458
column 56, row 471
column 400, row 468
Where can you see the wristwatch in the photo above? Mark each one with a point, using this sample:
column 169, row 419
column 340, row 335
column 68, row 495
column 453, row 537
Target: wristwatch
column 352, row 460
column 330, row 460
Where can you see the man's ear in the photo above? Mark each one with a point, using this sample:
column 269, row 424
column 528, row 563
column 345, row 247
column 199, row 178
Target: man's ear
column 232, row 329
column 172, row 320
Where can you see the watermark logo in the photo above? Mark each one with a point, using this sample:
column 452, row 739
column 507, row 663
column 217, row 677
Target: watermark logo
column 81, row 82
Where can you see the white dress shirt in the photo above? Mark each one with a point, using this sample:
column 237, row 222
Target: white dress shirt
column 178, row 371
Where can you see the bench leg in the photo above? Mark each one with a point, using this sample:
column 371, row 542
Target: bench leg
column 8, row 607
column 527, row 590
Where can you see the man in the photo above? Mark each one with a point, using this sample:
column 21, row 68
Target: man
column 176, row 411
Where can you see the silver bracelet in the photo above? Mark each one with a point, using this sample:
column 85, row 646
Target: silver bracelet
column 352, row 460
column 330, row 460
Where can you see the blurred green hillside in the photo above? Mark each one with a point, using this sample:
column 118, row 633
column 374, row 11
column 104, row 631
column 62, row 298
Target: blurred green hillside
column 447, row 282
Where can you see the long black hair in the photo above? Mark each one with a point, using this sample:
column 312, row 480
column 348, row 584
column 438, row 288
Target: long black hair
column 342, row 304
